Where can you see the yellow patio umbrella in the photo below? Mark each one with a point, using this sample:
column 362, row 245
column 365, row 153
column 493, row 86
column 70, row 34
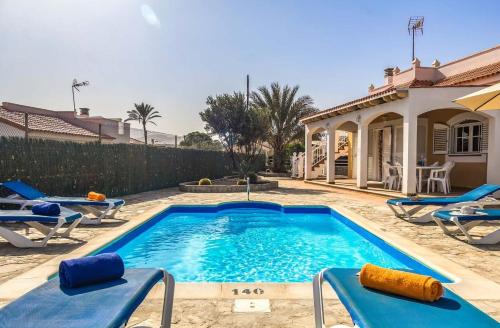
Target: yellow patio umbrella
column 485, row 99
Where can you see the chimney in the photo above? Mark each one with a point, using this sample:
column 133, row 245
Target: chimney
column 416, row 63
column 84, row 111
column 388, row 74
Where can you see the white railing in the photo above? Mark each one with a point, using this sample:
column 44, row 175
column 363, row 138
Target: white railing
column 319, row 152
column 297, row 162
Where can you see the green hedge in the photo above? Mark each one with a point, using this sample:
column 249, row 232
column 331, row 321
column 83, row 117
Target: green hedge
column 73, row 169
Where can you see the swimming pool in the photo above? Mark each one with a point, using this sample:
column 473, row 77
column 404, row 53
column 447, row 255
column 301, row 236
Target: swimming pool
column 255, row 242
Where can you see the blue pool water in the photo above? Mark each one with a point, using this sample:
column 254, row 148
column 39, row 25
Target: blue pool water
column 255, row 242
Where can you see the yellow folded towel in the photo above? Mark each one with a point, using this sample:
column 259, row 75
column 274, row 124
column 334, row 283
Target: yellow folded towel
column 96, row 196
column 402, row 283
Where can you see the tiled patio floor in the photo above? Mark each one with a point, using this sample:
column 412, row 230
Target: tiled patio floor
column 484, row 260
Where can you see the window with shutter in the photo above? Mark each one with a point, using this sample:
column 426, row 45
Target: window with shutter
column 484, row 138
column 440, row 138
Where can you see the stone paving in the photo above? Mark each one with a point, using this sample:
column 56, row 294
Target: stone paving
column 484, row 260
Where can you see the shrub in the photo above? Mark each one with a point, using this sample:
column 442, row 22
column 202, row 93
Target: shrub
column 241, row 182
column 253, row 178
column 72, row 169
column 204, row 182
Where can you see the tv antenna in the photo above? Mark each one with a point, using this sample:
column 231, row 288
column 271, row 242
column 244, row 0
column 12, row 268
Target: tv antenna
column 76, row 85
column 415, row 24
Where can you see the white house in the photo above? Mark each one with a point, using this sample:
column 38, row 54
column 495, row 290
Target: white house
column 412, row 118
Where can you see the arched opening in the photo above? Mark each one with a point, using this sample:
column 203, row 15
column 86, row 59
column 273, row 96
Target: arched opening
column 385, row 144
column 345, row 161
column 319, row 137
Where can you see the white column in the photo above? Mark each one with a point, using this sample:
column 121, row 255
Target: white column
column 409, row 153
column 362, row 156
column 330, row 156
column 308, row 155
column 493, row 166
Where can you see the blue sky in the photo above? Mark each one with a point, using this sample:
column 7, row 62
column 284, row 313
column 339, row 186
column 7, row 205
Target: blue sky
column 173, row 54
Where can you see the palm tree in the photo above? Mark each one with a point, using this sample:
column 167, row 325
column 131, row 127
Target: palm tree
column 144, row 114
column 283, row 111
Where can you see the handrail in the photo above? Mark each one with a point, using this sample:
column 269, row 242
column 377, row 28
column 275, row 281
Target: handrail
column 319, row 153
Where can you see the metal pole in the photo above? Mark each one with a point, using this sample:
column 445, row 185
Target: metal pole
column 413, row 44
column 26, row 126
column 74, row 105
column 175, row 140
column 248, row 188
column 100, row 127
column 248, row 89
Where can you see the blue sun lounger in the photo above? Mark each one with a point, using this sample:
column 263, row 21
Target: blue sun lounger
column 465, row 223
column 111, row 206
column 371, row 308
column 472, row 197
column 109, row 304
column 39, row 223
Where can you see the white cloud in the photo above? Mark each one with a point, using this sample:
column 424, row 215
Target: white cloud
column 150, row 16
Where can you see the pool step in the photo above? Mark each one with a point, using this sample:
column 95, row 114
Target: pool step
column 251, row 305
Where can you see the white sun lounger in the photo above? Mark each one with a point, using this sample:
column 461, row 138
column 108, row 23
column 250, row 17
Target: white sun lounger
column 39, row 223
column 104, row 209
column 398, row 205
column 466, row 222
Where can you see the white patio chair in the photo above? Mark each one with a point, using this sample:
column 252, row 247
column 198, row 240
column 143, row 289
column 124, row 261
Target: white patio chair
column 399, row 179
column 442, row 177
column 390, row 176
column 426, row 175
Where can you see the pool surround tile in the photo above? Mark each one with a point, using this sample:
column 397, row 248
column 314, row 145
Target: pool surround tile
column 466, row 283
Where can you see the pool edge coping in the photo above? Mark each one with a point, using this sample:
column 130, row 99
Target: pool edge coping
column 467, row 283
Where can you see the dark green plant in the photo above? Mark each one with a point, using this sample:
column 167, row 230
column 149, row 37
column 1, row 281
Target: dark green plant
column 204, row 182
column 283, row 110
column 240, row 129
column 144, row 114
column 200, row 140
column 253, row 178
column 294, row 147
column 222, row 117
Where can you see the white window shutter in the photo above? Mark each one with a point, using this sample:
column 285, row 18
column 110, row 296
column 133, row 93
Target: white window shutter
column 440, row 138
column 484, row 138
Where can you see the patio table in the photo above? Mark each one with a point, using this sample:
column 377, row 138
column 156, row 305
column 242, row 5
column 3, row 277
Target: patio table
column 420, row 169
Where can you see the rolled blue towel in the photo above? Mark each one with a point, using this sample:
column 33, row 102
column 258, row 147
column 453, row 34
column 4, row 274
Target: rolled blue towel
column 49, row 209
column 90, row 270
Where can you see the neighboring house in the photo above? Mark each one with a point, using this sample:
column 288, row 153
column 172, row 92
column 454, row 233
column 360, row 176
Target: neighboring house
column 12, row 124
column 111, row 130
column 411, row 118
column 154, row 138
column 113, row 127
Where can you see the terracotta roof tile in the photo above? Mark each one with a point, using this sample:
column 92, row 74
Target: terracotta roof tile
column 44, row 123
column 344, row 107
column 415, row 84
column 471, row 75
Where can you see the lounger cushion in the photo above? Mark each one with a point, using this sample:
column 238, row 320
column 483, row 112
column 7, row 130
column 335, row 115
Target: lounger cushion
column 107, row 304
column 491, row 214
column 28, row 216
column 69, row 201
column 24, row 190
column 28, row 192
column 370, row 308
column 438, row 201
column 473, row 195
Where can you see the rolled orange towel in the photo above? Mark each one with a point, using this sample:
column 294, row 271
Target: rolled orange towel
column 402, row 283
column 96, row 196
